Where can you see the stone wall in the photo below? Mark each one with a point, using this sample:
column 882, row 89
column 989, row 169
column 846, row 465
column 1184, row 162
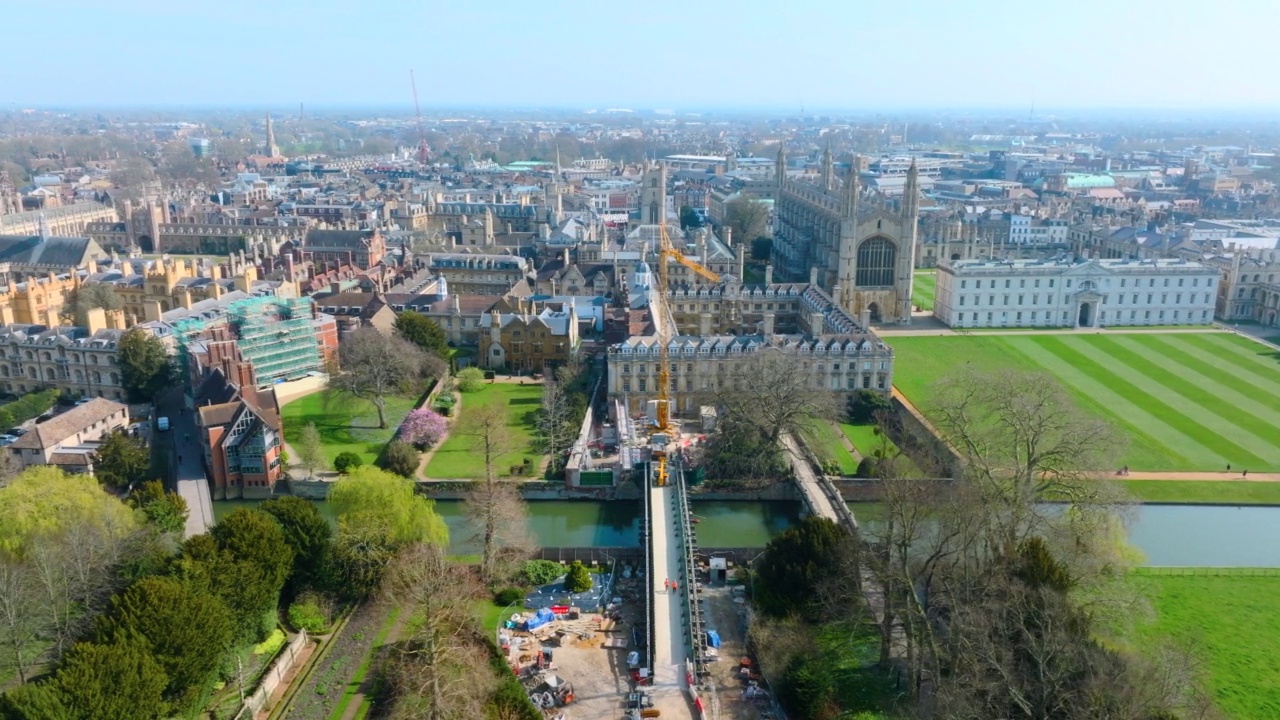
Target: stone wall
column 274, row 675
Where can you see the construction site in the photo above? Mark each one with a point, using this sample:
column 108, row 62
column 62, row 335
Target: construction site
column 277, row 335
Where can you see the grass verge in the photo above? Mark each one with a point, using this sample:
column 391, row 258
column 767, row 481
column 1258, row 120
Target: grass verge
column 1197, row 492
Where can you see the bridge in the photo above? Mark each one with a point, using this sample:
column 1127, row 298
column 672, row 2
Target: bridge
column 820, row 495
column 676, row 636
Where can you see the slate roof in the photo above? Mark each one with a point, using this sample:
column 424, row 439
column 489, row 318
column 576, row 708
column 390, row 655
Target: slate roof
column 62, row 252
column 337, row 239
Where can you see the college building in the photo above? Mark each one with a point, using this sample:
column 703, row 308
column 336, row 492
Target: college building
column 1074, row 293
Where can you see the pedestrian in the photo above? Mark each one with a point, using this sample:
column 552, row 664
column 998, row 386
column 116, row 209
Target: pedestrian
column 667, row 584
column 1228, row 467
column 675, row 587
column 1246, row 472
column 179, row 459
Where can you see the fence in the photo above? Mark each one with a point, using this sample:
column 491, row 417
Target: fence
column 274, row 675
column 1208, row 571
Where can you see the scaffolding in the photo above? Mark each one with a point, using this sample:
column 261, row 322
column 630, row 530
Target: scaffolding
column 275, row 334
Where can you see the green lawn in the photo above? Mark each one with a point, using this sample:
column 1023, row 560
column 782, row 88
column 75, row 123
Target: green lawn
column 1189, row 401
column 923, row 286
column 345, row 423
column 1234, row 492
column 1230, row 624
column 455, row 458
column 823, row 441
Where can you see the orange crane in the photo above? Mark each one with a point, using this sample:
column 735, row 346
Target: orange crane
column 424, row 152
column 666, row 330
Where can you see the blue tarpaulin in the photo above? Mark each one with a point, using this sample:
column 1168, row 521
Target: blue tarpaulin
column 540, row 618
column 713, row 638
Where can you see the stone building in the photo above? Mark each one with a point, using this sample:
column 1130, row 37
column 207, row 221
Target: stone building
column 476, row 274
column 360, row 248
column 77, row 360
column 524, row 339
column 862, row 244
column 1074, row 293
column 67, row 221
column 70, row 439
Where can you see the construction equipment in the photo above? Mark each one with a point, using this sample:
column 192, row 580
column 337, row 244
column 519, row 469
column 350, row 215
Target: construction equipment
column 424, row 152
column 666, row 331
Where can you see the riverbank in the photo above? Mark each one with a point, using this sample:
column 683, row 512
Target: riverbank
column 1205, row 492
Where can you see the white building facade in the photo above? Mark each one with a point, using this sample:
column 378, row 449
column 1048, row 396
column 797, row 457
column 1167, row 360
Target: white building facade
column 1075, row 293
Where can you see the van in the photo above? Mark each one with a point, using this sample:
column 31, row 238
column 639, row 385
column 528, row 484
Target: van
column 162, row 424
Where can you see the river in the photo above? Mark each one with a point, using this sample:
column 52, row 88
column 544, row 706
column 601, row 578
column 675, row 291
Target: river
column 1170, row 535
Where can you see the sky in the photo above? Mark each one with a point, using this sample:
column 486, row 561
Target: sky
column 653, row 54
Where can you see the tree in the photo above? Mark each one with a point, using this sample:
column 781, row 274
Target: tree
column 423, row 332
column 186, row 632
column 864, row 406
column 762, row 249
column 90, row 297
column 20, row 616
column 400, row 458
column 495, row 509
column 307, row 533
column 116, row 680
column 167, row 511
column 470, row 379
column 794, row 564
column 578, row 579
column 145, row 367
column 121, row 461
column 359, row 558
column 542, row 572
column 442, row 670
column 255, row 536
column 689, row 218
column 35, row 701
column 347, row 461
column 310, row 449
column 374, row 497
column 749, row 218
column 765, row 391
column 423, row 427
column 375, row 366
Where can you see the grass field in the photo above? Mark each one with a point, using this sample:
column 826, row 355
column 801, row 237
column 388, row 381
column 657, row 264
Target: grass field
column 455, row 458
column 823, row 441
column 1231, row 626
column 345, row 423
column 923, row 287
column 1192, row 401
column 1234, row 492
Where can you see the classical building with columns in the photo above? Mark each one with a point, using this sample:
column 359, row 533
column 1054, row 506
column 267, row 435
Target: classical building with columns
column 1075, row 293
column 860, row 243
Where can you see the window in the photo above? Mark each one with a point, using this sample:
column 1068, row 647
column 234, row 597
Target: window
column 965, row 283
column 876, row 259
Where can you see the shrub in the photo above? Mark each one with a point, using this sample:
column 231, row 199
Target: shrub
column 508, row 595
column 865, row 405
column 867, row 467
column 542, row 572
column 423, row 427
column 400, row 458
column 271, row 645
column 470, row 379
column 310, row 612
column 346, row 462
column 28, row 406
column 578, row 579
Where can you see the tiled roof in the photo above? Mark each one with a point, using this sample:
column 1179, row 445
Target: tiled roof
column 53, row 431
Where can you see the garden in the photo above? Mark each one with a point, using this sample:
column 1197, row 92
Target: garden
column 455, row 457
column 345, row 423
column 1185, row 401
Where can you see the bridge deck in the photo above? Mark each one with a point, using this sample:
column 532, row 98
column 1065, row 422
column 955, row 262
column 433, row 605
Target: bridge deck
column 669, row 647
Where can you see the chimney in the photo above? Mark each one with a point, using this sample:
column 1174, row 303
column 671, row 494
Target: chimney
column 97, row 320
column 728, row 236
column 150, row 311
column 813, row 275
column 768, row 274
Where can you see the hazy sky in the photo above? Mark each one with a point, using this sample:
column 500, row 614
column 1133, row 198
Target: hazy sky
column 687, row 54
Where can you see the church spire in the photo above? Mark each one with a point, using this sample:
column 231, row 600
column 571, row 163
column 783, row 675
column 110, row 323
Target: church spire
column 911, row 193
column 828, row 169
column 851, row 188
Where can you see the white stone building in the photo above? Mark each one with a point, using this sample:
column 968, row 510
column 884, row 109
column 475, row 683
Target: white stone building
column 1074, row 293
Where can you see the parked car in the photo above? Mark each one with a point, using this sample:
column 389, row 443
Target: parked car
column 16, row 432
column 7, row 440
column 162, row 424
column 82, row 401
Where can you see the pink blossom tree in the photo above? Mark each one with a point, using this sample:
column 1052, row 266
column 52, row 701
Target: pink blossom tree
column 423, row 427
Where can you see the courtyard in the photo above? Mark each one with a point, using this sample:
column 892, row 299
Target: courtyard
column 1186, row 401
column 455, row 457
column 923, row 287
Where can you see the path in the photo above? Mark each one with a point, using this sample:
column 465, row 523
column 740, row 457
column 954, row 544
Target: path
column 1224, row 476
column 393, row 636
column 186, row 469
column 907, row 331
column 669, row 648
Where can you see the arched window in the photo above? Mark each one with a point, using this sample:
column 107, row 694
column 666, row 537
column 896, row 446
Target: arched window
column 45, row 356
column 115, row 379
column 876, row 262
column 48, row 373
column 79, row 376
column 97, row 378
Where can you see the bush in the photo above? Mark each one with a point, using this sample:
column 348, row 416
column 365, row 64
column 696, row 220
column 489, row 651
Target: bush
column 401, row 458
column 28, row 406
column 271, row 645
column 542, row 572
column 865, row 405
column 470, row 379
column 807, row 689
column 310, row 612
column 508, row 595
column 578, row 579
column 423, row 427
column 867, row 467
column 346, row 462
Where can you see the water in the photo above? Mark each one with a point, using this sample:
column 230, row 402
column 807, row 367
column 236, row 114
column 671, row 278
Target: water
column 1189, row 535
column 555, row 523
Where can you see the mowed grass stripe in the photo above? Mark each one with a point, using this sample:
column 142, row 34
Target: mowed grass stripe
column 1149, row 436
column 1195, row 396
column 1122, row 402
column 1242, row 392
column 1254, row 358
column 1140, row 394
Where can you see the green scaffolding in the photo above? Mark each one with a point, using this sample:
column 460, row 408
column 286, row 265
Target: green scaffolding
column 275, row 334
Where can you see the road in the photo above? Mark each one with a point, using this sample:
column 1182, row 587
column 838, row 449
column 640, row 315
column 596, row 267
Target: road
column 186, row 471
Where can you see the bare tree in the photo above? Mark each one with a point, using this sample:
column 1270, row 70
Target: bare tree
column 495, row 509
column 20, row 616
column 375, row 366
column 748, row 217
column 775, row 392
column 441, row 671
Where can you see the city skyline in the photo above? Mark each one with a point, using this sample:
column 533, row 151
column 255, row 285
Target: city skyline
column 569, row 55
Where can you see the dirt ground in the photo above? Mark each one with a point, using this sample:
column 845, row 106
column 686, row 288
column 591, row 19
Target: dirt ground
column 727, row 618
column 598, row 674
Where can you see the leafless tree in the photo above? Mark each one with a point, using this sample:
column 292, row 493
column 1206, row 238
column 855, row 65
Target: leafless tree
column 376, row 365
column 20, row 616
column 442, row 670
column 495, row 509
column 774, row 392
column 748, row 217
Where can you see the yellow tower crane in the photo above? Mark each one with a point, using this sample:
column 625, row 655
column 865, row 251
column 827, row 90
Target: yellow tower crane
column 666, row 331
